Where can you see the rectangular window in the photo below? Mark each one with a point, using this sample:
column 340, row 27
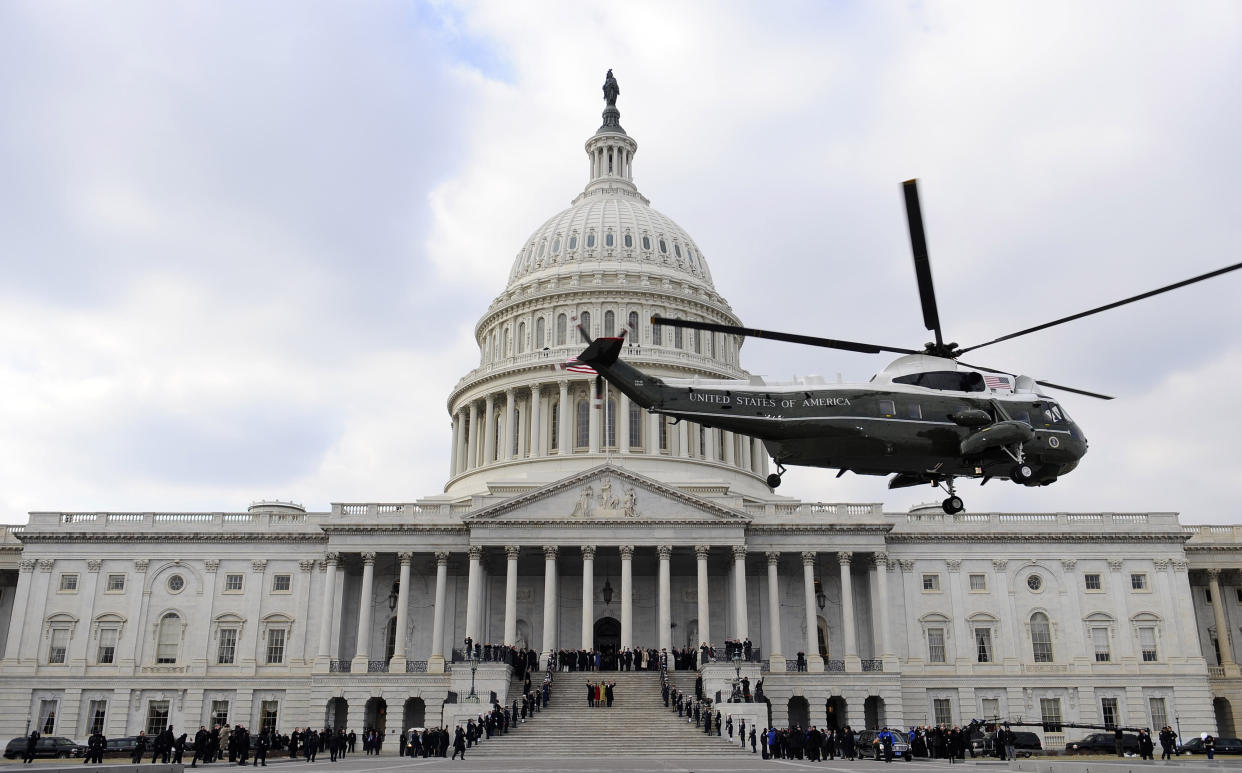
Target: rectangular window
column 1207, row 595
column 931, row 582
column 1041, row 644
column 942, row 710
column 68, row 583
column 914, row 411
column 1138, row 581
column 268, row 713
column 1108, row 710
column 233, row 583
column 59, row 647
column 983, row 644
column 97, row 714
column 1216, row 649
column 108, row 638
column 663, row 422
column 227, row 649
column 1147, row 645
column 276, row 645
column 991, row 708
column 220, row 713
column 978, row 582
column 116, row 583
column 935, row 645
column 1050, row 714
column 1092, row 581
column 887, row 408
column 281, row 583
column 1099, row 640
column 1159, row 715
column 157, row 717
column 47, row 716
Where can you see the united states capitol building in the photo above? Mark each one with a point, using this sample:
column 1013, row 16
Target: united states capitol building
column 563, row 526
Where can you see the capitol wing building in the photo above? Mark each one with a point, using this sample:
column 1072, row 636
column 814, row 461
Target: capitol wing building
column 564, row 526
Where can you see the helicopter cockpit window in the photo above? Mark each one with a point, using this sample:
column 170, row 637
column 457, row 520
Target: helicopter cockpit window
column 1022, row 416
column 949, row 380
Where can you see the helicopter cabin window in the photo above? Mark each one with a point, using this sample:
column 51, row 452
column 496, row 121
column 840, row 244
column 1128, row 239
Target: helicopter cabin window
column 947, row 380
column 914, row 411
column 887, row 408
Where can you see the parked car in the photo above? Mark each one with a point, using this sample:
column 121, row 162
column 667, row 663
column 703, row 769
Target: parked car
column 1104, row 743
column 1025, row 743
column 48, row 746
column 865, row 743
column 124, row 745
column 1223, row 746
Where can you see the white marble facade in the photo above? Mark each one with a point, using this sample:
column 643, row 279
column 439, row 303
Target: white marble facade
column 282, row 616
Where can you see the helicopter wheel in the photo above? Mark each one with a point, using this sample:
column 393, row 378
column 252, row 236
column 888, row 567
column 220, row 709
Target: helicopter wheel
column 1021, row 473
column 953, row 505
column 774, row 480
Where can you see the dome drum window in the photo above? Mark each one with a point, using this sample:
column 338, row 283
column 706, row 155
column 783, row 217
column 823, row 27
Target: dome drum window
column 590, row 240
column 573, row 242
column 609, row 239
column 628, row 241
column 663, row 247
column 646, row 243
column 556, row 245
column 676, row 250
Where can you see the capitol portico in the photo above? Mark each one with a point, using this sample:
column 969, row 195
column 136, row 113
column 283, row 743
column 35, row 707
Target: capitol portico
column 567, row 525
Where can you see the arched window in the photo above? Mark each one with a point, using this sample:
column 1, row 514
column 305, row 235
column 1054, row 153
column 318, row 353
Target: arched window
column 633, row 327
column 495, row 346
column 590, row 240
column 585, row 320
column 556, row 245
column 521, row 339
column 1041, row 638
column 554, row 425
column 168, row 638
column 646, row 243
column 539, row 333
column 677, row 342
column 608, row 239
column 636, row 426
column 610, row 436
column 663, row 247
column 505, row 351
column 582, row 434
column 517, row 422
column 629, row 241
column 657, row 334
column 498, row 447
column 560, row 329
column 610, row 324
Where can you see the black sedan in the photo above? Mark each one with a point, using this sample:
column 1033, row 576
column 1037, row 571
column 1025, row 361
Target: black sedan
column 1223, row 746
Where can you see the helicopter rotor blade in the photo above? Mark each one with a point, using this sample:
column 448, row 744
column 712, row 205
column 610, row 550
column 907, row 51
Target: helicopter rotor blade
column 1106, row 307
column 793, row 338
column 1048, row 384
column 922, row 263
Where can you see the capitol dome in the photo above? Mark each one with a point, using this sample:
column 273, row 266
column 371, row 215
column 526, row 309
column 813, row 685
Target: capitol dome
column 608, row 263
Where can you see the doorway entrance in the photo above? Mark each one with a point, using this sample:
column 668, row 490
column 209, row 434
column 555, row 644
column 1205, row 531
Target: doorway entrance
column 608, row 640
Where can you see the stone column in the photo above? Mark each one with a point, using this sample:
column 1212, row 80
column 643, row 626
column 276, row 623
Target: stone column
column 489, row 430
column 562, row 425
column 775, row 656
column 852, row 662
column 1223, row 639
column 453, row 457
column 511, row 552
column 705, row 632
column 435, row 664
column 397, row 664
column 588, row 597
column 623, row 424
column 463, row 458
column 21, row 601
column 708, row 450
column 739, row 593
column 472, row 445
column 536, row 421
column 549, row 603
column 653, row 433
column 886, row 634
column 510, row 427
column 665, row 552
column 627, row 596
column 473, row 580
column 730, row 447
column 327, row 613
column 362, row 653
column 683, row 439
column 814, row 661
column 759, row 458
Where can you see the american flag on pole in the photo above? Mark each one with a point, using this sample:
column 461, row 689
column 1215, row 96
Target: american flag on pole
column 573, row 365
column 996, row 382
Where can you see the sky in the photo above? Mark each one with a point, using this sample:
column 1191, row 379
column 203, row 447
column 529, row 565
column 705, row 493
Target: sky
column 243, row 246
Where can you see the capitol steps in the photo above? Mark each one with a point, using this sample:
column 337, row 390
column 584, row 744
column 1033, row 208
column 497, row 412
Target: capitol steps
column 636, row 725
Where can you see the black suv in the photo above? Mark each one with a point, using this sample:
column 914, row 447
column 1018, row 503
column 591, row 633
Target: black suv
column 48, row 746
column 1025, row 743
column 1104, row 743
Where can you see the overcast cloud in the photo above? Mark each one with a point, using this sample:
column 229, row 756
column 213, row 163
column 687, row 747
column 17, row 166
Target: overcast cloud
column 243, row 246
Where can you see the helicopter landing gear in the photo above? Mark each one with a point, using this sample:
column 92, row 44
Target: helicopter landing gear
column 953, row 504
column 1021, row 473
column 774, row 479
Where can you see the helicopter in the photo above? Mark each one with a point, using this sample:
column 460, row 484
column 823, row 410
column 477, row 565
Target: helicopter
column 927, row 418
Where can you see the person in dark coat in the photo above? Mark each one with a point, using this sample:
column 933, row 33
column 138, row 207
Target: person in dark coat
column 459, row 744
column 140, row 748
column 261, row 745
column 179, row 748
column 95, row 746
column 753, row 750
column 32, row 745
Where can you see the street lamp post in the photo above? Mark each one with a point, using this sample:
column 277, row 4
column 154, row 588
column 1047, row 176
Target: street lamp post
column 737, row 679
column 474, row 667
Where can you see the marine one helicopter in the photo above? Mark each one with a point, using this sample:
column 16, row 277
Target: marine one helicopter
column 927, row 418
